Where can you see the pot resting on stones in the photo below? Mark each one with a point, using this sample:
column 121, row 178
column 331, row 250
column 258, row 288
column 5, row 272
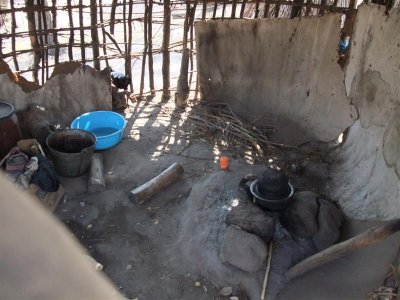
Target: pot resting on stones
column 272, row 190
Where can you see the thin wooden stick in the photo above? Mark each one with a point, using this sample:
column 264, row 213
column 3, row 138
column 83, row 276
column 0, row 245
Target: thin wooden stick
column 166, row 95
column 362, row 240
column 223, row 8
column 191, row 41
column 266, row 8
column 41, row 42
column 150, row 47
column 215, row 9
column 204, row 11
column 265, row 282
column 257, row 9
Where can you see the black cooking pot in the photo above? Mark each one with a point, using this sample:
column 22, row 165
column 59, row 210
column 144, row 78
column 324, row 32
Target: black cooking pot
column 276, row 204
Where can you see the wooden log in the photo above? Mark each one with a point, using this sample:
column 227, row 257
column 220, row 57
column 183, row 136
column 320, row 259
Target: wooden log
column 158, row 183
column 94, row 34
column 166, row 94
column 362, row 240
column 97, row 182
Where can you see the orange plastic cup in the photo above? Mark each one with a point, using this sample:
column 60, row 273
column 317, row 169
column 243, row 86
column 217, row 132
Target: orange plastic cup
column 224, row 162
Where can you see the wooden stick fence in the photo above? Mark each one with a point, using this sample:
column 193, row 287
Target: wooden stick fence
column 90, row 34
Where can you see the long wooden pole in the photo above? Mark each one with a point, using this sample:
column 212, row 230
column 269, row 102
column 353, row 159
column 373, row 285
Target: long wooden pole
column 13, row 27
column 128, row 70
column 150, row 47
column 82, row 32
column 55, row 37
column 166, row 94
column 34, row 41
column 103, row 31
column 94, row 34
column 362, row 240
column 144, row 51
column 71, row 33
column 46, row 42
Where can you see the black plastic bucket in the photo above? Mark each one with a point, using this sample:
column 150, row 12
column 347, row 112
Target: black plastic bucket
column 72, row 150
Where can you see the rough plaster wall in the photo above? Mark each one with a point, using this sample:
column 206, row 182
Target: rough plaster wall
column 366, row 178
column 281, row 68
column 73, row 89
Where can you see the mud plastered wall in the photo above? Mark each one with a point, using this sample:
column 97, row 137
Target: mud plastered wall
column 366, row 176
column 278, row 71
column 73, row 89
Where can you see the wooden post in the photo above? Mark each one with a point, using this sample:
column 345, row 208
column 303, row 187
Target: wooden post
column 144, row 50
column 41, row 41
column 30, row 14
column 94, row 34
column 166, row 95
column 215, row 9
column 103, row 31
column 128, row 64
column 13, row 27
column 150, row 47
column 233, row 14
column 46, row 41
column 277, row 9
column 155, row 185
column 182, row 93
column 256, row 13
column 82, row 32
column 71, row 32
column 55, row 36
column 243, row 8
column 266, row 8
column 191, row 41
column 112, row 15
column 204, row 12
column 362, row 240
column 223, row 8
column 296, row 9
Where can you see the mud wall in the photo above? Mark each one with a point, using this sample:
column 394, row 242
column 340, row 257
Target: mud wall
column 73, row 89
column 277, row 71
column 366, row 176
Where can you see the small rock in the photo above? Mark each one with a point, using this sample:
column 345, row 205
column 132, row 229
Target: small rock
column 243, row 250
column 251, row 218
column 226, row 291
column 89, row 226
column 233, row 298
column 82, row 204
column 128, row 267
column 329, row 221
column 197, row 283
column 300, row 217
column 205, row 289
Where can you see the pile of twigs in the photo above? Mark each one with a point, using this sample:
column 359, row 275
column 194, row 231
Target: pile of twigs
column 237, row 135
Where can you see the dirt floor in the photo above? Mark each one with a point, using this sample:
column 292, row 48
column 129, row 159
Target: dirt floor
column 167, row 248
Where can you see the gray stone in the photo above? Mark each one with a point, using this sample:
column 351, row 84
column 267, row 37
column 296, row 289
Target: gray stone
column 243, row 250
column 329, row 222
column 252, row 218
column 300, row 217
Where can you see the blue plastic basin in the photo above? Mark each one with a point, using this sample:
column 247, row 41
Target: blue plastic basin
column 107, row 126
